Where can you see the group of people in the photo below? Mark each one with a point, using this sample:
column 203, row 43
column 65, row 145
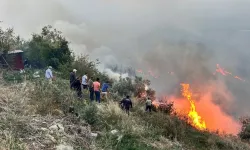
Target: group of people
column 84, row 83
column 95, row 91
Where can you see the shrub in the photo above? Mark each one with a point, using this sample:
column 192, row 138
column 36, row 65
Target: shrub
column 89, row 114
column 51, row 98
column 13, row 76
column 245, row 129
column 123, row 87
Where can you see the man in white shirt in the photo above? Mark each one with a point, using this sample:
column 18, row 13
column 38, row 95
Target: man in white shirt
column 85, row 81
column 48, row 74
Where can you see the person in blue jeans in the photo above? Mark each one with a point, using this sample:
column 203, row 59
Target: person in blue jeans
column 105, row 87
column 97, row 86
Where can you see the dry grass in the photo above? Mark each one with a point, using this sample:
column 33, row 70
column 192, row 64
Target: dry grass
column 24, row 127
column 133, row 132
column 118, row 119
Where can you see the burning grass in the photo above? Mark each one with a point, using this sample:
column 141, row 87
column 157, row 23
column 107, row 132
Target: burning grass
column 202, row 109
column 193, row 115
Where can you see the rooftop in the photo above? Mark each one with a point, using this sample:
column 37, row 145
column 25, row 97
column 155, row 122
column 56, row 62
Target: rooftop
column 15, row 51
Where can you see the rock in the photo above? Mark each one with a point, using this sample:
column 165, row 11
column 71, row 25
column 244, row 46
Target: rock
column 114, row 132
column 51, row 138
column 79, row 130
column 57, row 128
column 47, row 142
column 36, row 75
column 119, row 138
column 44, row 125
column 2, row 109
column 44, row 129
column 64, row 147
column 94, row 135
column 57, row 112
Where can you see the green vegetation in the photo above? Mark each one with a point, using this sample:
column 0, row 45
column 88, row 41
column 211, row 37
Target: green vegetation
column 49, row 48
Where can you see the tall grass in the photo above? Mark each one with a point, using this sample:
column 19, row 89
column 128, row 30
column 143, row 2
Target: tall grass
column 51, row 98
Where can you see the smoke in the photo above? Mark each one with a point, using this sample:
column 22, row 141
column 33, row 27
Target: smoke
column 185, row 37
column 114, row 75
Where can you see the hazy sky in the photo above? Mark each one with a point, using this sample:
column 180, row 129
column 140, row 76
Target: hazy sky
column 188, row 37
column 135, row 26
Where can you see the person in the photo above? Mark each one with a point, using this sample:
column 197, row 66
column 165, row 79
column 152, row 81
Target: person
column 105, row 87
column 72, row 78
column 49, row 74
column 85, row 81
column 77, row 85
column 26, row 63
column 126, row 103
column 91, row 89
column 148, row 104
column 97, row 86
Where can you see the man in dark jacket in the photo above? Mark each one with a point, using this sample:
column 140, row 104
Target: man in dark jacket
column 72, row 78
column 126, row 103
column 77, row 86
column 91, row 89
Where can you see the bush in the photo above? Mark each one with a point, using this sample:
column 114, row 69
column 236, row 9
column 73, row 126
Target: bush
column 51, row 98
column 89, row 114
column 123, row 87
column 136, row 88
column 13, row 76
column 167, row 108
column 245, row 129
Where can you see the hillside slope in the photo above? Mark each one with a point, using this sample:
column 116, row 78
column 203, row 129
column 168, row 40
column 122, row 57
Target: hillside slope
column 35, row 115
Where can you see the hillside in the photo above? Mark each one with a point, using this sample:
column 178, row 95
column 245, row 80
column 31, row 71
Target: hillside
column 34, row 115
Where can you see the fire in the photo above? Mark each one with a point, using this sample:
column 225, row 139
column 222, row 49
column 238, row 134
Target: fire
column 193, row 115
column 225, row 72
column 154, row 103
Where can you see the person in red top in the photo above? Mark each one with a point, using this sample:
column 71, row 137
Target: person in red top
column 97, row 86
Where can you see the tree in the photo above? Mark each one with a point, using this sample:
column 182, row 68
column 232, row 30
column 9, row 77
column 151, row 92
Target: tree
column 8, row 40
column 124, row 87
column 245, row 129
column 49, row 48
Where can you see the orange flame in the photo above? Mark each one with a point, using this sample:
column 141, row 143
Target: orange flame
column 225, row 72
column 194, row 117
column 154, row 103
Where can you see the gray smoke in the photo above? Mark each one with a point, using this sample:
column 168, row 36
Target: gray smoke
column 186, row 37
